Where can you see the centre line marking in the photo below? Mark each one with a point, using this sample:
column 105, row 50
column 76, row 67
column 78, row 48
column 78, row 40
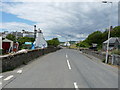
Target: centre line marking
column 68, row 64
column 66, row 56
column 19, row 71
column 1, row 77
column 9, row 77
column 75, row 85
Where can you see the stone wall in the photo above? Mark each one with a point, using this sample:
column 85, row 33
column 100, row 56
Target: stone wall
column 112, row 59
column 96, row 54
column 11, row 62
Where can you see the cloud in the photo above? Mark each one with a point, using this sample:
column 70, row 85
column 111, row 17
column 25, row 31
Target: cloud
column 76, row 19
column 15, row 26
column 56, row 0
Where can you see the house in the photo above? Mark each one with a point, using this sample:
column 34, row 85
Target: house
column 28, row 34
column 67, row 44
column 17, row 34
column 7, row 45
column 40, row 41
column 4, row 34
column 114, row 43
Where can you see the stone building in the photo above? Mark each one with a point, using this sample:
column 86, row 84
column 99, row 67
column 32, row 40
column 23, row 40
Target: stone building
column 114, row 43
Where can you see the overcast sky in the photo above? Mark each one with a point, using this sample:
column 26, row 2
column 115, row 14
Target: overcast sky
column 75, row 20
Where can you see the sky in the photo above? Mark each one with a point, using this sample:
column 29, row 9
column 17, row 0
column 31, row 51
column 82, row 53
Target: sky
column 65, row 19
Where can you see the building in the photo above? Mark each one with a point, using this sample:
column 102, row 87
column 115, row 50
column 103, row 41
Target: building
column 4, row 34
column 28, row 34
column 7, row 45
column 114, row 43
column 67, row 44
column 40, row 41
column 17, row 34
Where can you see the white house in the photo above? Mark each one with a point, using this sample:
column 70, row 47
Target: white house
column 40, row 41
column 28, row 34
column 66, row 44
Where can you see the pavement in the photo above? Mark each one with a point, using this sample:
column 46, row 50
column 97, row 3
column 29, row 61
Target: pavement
column 65, row 68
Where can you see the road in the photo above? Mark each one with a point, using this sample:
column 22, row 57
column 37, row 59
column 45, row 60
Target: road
column 65, row 68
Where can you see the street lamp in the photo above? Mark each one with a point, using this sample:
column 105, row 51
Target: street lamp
column 108, row 31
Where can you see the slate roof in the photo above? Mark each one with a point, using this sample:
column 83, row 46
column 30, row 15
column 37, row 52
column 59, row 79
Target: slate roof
column 112, row 40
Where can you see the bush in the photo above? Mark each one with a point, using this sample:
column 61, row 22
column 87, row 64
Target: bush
column 103, row 60
column 116, row 52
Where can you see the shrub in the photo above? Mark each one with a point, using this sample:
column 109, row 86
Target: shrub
column 116, row 52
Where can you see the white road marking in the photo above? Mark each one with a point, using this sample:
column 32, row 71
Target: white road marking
column 19, row 71
column 81, row 52
column 0, row 83
column 75, row 85
column 1, row 77
column 66, row 56
column 9, row 77
column 68, row 64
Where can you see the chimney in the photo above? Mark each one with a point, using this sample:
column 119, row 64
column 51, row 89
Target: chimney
column 23, row 31
column 35, row 31
column 40, row 31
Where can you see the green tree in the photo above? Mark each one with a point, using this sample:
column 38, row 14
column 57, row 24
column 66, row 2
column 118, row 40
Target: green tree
column 83, row 44
column 99, row 37
column 54, row 42
column 115, row 32
column 11, row 37
column 22, row 40
column 95, row 37
column 78, row 45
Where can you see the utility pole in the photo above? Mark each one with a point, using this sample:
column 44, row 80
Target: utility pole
column 107, row 51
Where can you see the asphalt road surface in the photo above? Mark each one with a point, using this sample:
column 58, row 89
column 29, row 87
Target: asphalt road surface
column 65, row 68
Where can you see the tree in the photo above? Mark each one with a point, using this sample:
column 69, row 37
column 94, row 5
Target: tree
column 83, row 44
column 115, row 32
column 95, row 37
column 11, row 37
column 98, row 37
column 78, row 45
column 54, row 42
column 22, row 40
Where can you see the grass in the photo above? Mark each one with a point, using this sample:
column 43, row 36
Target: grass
column 73, row 46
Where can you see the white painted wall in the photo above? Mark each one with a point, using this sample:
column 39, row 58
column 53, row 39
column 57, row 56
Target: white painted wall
column 0, row 42
column 40, row 41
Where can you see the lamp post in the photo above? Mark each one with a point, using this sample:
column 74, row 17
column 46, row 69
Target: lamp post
column 108, row 31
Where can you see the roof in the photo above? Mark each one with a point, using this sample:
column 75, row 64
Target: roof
column 119, row 40
column 7, row 40
column 112, row 40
